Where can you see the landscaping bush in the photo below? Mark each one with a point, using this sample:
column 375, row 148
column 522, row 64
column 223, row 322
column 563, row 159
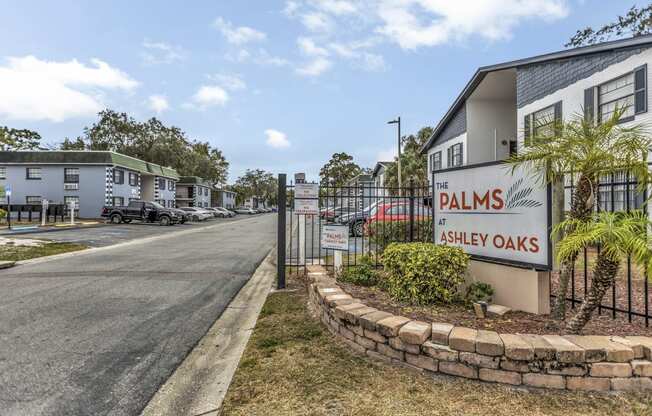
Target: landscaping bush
column 363, row 274
column 423, row 273
column 479, row 292
column 383, row 233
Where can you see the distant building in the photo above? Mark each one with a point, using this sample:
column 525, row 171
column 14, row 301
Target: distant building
column 91, row 179
column 378, row 175
column 193, row 191
column 224, row 198
column 358, row 193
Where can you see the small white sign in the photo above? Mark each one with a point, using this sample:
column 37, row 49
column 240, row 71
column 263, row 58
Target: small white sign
column 306, row 190
column 8, row 190
column 306, row 206
column 45, row 203
column 335, row 237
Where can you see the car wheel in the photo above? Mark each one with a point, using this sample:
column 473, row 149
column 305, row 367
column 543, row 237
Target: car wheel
column 164, row 221
column 116, row 219
column 358, row 228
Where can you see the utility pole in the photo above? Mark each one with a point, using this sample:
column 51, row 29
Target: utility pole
column 398, row 121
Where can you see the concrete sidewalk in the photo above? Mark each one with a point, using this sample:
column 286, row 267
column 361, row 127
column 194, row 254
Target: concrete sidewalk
column 199, row 384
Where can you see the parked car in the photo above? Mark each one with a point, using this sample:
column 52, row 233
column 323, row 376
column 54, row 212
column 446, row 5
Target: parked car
column 226, row 213
column 394, row 211
column 197, row 214
column 184, row 216
column 147, row 211
column 245, row 210
column 216, row 213
column 333, row 213
column 356, row 220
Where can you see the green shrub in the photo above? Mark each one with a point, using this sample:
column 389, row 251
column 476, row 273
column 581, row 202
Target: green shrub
column 478, row 291
column 423, row 273
column 364, row 273
column 383, row 233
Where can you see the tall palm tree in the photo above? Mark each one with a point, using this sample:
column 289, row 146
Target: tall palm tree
column 586, row 150
column 618, row 234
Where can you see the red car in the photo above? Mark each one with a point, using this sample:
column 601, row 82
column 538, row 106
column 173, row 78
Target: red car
column 395, row 211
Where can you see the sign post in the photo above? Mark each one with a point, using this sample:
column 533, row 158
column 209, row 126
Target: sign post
column 71, row 206
column 306, row 202
column 336, row 238
column 44, row 211
column 8, row 195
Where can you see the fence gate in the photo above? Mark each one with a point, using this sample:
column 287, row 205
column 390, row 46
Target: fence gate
column 375, row 216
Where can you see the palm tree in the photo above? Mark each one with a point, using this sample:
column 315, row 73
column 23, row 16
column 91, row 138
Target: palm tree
column 618, row 234
column 586, row 150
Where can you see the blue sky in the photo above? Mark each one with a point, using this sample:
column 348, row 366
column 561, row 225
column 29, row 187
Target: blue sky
column 277, row 85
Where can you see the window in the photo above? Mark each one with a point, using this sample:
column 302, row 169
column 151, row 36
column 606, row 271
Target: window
column 161, row 184
column 206, row 191
column 542, row 123
column 3, row 172
column 133, row 179
column 455, row 155
column 435, row 161
column 133, row 199
column 67, row 200
column 33, row 200
column 71, row 175
column 171, row 185
column 118, row 201
column 33, row 173
column 627, row 93
column 118, row 176
column 613, row 195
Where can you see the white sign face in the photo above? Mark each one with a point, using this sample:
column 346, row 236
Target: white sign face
column 335, row 237
column 490, row 213
column 306, row 206
column 45, row 203
column 306, row 190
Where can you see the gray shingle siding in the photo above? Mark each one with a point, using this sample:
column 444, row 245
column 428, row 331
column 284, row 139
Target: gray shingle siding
column 455, row 127
column 535, row 81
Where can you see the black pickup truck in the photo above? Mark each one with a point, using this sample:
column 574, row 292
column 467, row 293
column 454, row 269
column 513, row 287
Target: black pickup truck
column 146, row 211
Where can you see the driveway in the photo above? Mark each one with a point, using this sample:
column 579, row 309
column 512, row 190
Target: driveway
column 97, row 333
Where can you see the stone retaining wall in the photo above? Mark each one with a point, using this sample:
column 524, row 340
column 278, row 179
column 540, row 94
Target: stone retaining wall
column 594, row 363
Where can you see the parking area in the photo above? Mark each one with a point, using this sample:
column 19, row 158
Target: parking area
column 110, row 234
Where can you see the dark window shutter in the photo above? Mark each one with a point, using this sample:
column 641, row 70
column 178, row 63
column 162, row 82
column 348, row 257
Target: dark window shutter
column 449, row 152
column 640, row 90
column 589, row 106
column 558, row 118
column 526, row 130
column 461, row 154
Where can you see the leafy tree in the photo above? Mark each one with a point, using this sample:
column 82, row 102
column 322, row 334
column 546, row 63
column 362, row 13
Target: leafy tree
column 256, row 183
column 15, row 139
column 636, row 22
column 589, row 150
column 618, row 234
column 154, row 142
column 414, row 165
column 339, row 170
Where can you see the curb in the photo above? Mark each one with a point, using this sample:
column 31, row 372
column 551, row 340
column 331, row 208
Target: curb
column 48, row 230
column 198, row 386
column 7, row 264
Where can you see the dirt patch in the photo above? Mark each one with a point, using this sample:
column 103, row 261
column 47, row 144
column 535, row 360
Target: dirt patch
column 513, row 322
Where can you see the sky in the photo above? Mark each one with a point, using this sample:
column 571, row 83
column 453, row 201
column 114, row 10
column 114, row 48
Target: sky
column 276, row 85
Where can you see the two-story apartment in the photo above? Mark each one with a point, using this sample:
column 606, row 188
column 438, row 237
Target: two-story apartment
column 224, row 198
column 503, row 105
column 193, row 191
column 378, row 175
column 90, row 179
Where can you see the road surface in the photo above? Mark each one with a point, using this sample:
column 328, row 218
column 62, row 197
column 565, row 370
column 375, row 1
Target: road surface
column 97, row 333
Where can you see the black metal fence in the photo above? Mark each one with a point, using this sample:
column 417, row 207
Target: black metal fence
column 32, row 212
column 375, row 216
column 630, row 295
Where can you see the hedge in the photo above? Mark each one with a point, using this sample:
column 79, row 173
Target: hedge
column 383, row 233
column 424, row 273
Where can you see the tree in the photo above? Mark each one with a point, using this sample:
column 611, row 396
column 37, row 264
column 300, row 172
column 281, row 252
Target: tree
column 256, row 183
column 636, row 22
column 154, row 142
column 589, row 150
column 618, row 234
column 414, row 165
column 339, row 170
column 15, row 139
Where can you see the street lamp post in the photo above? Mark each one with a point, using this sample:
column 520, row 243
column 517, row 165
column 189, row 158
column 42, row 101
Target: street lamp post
column 398, row 121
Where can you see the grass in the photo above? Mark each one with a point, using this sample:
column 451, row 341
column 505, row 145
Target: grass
column 17, row 253
column 294, row 366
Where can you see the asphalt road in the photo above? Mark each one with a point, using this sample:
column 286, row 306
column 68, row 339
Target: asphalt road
column 97, row 333
column 112, row 234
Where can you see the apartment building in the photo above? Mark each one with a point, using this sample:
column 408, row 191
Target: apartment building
column 224, row 198
column 193, row 191
column 90, row 179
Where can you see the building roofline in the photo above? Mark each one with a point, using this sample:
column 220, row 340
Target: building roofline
column 482, row 71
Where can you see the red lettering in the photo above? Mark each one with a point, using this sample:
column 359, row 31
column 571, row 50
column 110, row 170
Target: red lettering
column 443, row 200
column 498, row 200
column 483, row 237
column 464, row 204
column 534, row 242
column 510, row 244
column 499, row 241
column 481, row 201
column 521, row 243
column 443, row 237
column 454, row 204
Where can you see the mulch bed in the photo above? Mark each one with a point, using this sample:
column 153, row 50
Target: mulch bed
column 512, row 322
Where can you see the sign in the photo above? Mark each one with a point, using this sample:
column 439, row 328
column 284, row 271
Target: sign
column 493, row 214
column 306, row 206
column 8, row 190
column 45, row 203
column 335, row 237
column 306, row 190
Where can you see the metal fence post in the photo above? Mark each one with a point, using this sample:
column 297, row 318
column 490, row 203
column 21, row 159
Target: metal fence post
column 281, row 233
column 411, row 211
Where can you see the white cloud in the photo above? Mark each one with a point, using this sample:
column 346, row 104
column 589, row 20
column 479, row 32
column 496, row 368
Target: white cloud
column 308, row 47
column 387, row 155
column 238, row 35
column 210, row 95
column 33, row 89
column 315, row 67
column 158, row 103
column 162, row 53
column 317, row 22
column 231, row 82
column 418, row 23
column 260, row 57
column 276, row 139
column 337, row 7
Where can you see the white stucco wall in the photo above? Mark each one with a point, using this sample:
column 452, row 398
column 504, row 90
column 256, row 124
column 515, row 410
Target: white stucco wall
column 444, row 154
